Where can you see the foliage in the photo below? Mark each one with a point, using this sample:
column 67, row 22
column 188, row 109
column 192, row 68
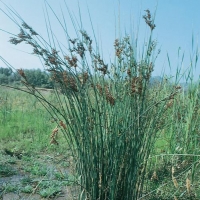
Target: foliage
column 36, row 77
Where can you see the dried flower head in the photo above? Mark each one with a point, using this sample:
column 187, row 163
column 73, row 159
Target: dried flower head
column 154, row 176
column 173, row 170
column 98, row 61
column 148, row 19
column 129, row 72
column 37, row 52
column 54, row 132
column 83, row 77
column 87, row 40
column 151, row 47
column 169, row 104
column 116, row 43
column 26, row 26
column 178, row 87
column 175, row 182
column 73, row 41
column 80, row 49
column 62, row 124
column 69, row 81
column 103, row 69
column 136, row 85
column 52, row 60
column 119, row 47
column 175, row 198
column 54, row 135
column 15, row 41
column 21, row 73
column 188, row 185
column 100, row 89
column 54, row 52
column 71, row 61
column 109, row 97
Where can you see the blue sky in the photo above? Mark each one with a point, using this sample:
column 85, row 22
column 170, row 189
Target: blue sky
column 177, row 22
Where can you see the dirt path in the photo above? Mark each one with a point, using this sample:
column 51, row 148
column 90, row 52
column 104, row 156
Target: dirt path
column 35, row 177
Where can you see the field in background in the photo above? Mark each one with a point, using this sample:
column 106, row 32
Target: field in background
column 30, row 167
column 23, row 119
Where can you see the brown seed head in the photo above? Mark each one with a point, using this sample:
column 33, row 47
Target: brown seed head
column 53, row 136
column 154, row 176
column 188, row 185
column 99, row 88
column 109, row 97
column 103, row 69
column 84, row 77
column 175, row 182
column 21, row 73
column 71, row 61
column 62, row 124
column 54, row 141
column 129, row 72
column 148, row 19
column 173, row 170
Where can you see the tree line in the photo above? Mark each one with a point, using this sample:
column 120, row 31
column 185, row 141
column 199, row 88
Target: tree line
column 35, row 77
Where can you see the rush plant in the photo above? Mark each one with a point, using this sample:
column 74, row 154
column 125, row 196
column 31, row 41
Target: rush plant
column 109, row 113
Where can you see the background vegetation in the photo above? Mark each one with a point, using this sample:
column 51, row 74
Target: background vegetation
column 35, row 77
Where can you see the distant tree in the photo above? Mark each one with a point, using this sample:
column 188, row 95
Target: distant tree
column 38, row 78
column 3, row 79
column 6, row 71
column 5, row 74
column 35, row 77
